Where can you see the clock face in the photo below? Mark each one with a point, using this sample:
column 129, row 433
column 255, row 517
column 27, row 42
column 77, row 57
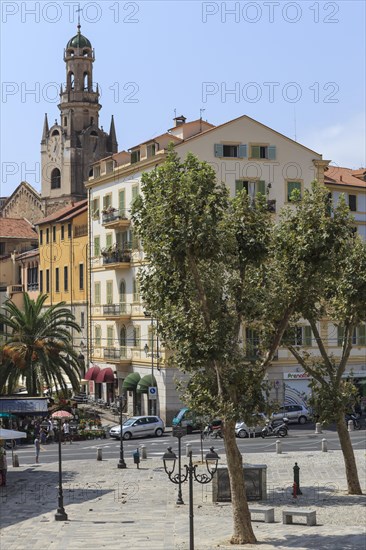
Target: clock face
column 54, row 147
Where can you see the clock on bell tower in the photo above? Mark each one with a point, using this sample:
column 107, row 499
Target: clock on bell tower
column 69, row 147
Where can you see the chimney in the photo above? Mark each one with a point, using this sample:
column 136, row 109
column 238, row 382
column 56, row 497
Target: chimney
column 341, row 177
column 179, row 120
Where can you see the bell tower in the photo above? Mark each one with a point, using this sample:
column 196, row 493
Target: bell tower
column 68, row 148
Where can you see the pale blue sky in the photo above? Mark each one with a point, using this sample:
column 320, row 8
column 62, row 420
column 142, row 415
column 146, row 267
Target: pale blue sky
column 297, row 67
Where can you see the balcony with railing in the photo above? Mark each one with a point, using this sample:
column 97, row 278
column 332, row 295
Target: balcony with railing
column 117, row 354
column 116, row 255
column 32, row 287
column 117, row 310
column 115, row 217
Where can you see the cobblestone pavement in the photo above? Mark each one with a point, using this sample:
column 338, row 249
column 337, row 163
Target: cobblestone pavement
column 135, row 508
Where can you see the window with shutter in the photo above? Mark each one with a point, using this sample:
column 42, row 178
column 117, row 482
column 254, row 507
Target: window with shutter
column 255, row 152
column 97, row 246
column 97, row 293
column 340, row 335
column 95, row 208
column 135, row 192
column 307, row 335
column 352, row 202
column 261, row 187
column 291, row 187
column 98, row 336
column 271, row 152
column 136, row 290
column 108, row 240
column 57, row 279
column 136, row 336
column 361, row 336
column 109, row 291
column 242, row 151
column 107, row 201
column 121, row 203
column 109, row 336
column 219, row 150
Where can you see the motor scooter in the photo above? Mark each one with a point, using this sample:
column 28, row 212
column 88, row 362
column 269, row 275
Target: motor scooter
column 355, row 419
column 212, row 430
column 277, row 430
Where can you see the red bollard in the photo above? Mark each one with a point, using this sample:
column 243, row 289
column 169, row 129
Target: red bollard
column 294, row 492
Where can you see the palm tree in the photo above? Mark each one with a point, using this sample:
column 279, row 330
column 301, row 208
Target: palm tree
column 39, row 348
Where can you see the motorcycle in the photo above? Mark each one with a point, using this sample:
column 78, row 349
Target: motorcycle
column 212, row 430
column 279, row 430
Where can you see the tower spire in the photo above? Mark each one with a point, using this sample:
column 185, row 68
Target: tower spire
column 45, row 128
column 112, row 138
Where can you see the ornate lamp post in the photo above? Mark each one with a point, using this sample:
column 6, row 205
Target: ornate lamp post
column 169, row 460
column 146, row 350
column 121, row 463
column 60, row 514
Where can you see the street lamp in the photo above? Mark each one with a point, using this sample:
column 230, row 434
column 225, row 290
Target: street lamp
column 169, row 460
column 60, row 514
column 146, row 350
column 121, row 463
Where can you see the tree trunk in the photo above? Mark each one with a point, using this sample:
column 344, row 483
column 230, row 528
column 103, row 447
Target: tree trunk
column 243, row 532
column 354, row 487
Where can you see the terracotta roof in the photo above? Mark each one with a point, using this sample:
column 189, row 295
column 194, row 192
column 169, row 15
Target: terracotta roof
column 337, row 175
column 28, row 254
column 17, row 228
column 69, row 211
column 165, row 134
column 191, row 122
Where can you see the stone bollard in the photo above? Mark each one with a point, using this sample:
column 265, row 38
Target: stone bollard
column 324, row 445
column 350, row 426
column 188, row 448
column 143, row 452
column 318, row 428
column 278, row 447
column 99, row 453
column 15, row 461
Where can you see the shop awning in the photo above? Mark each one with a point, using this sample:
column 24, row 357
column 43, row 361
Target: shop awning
column 92, row 373
column 146, row 382
column 105, row 375
column 131, row 381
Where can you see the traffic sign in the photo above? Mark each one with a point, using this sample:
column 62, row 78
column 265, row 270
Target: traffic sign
column 152, row 392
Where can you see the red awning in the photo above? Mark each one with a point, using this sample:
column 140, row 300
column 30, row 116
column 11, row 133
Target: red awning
column 92, row 373
column 105, row 375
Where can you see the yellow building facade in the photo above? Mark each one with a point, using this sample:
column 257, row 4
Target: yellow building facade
column 63, row 271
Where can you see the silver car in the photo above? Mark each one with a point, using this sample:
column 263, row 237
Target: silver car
column 294, row 413
column 242, row 430
column 139, row 426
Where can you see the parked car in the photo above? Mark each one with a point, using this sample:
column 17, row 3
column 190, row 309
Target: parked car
column 294, row 413
column 242, row 430
column 139, row 426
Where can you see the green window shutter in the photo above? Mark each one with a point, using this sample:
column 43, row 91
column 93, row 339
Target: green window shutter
column 134, row 240
column 109, row 292
column 340, row 335
column 238, row 186
column 108, row 240
column 135, row 192
column 307, row 336
column 361, row 329
column 242, row 151
column 98, row 335
column 291, row 186
column 136, row 336
column 121, row 202
column 97, row 246
column 106, row 201
column 219, row 150
column 261, row 187
column 272, row 152
column 109, row 336
column 255, row 151
column 97, row 294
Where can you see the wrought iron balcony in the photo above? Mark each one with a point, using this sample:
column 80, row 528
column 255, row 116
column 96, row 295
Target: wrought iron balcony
column 115, row 310
column 116, row 255
column 115, row 354
column 114, row 215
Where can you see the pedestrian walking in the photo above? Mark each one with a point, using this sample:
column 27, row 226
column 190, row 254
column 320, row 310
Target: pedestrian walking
column 37, row 446
column 3, row 463
column 66, row 430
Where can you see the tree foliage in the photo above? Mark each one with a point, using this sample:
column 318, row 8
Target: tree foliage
column 38, row 348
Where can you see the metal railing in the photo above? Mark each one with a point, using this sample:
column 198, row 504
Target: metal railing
column 114, row 214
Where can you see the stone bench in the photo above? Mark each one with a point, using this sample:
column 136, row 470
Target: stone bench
column 267, row 512
column 309, row 514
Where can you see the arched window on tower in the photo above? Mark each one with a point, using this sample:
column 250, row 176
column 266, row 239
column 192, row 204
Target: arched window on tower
column 93, row 133
column 70, row 80
column 55, row 179
column 122, row 337
column 86, row 82
column 55, row 133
